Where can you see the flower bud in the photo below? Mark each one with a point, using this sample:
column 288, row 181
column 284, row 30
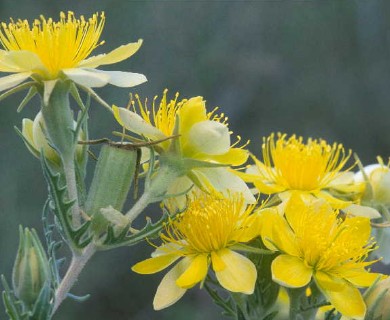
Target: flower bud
column 31, row 269
column 378, row 298
column 37, row 141
column 378, row 176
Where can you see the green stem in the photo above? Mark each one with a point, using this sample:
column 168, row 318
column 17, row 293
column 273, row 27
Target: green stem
column 70, row 176
column 76, row 266
column 154, row 191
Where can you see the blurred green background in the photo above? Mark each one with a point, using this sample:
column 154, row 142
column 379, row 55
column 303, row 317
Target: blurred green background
column 315, row 68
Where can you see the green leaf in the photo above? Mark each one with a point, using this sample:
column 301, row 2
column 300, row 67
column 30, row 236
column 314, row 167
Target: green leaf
column 61, row 206
column 43, row 306
column 16, row 89
column 12, row 306
column 149, row 231
column 30, row 94
column 227, row 304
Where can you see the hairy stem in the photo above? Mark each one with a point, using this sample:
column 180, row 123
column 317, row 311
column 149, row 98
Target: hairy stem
column 76, row 266
column 70, row 176
column 139, row 206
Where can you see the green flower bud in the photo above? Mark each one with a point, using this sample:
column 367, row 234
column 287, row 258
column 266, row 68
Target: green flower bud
column 36, row 139
column 31, row 269
column 377, row 300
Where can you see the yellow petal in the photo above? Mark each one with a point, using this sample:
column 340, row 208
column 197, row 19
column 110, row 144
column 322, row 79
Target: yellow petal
column 195, row 273
column 276, row 233
column 156, row 264
column 347, row 299
column 234, row 157
column 168, row 292
column 334, row 202
column 218, row 264
column 361, row 278
column 119, row 54
column 290, row 271
column 267, row 188
column 192, row 111
column 240, row 273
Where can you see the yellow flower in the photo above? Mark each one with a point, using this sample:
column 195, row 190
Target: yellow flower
column 47, row 50
column 207, row 233
column 315, row 243
column 203, row 137
column 313, row 169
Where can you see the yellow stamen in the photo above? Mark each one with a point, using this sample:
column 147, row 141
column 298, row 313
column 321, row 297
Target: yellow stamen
column 59, row 45
column 298, row 166
column 210, row 223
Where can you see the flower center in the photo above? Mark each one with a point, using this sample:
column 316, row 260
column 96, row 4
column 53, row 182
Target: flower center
column 59, row 45
column 210, row 223
column 327, row 242
column 299, row 166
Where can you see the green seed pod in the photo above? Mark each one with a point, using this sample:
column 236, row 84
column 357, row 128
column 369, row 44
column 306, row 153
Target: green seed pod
column 31, row 269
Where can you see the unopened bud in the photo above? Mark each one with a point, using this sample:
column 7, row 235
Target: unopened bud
column 378, row 190
column 31, row 269
column 37, row 141
column 377, row 300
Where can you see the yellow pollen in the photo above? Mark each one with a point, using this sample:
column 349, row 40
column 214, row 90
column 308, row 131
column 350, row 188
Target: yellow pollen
column 210, row 223
column 296, row 165
column 327, row 242
column 59, row 45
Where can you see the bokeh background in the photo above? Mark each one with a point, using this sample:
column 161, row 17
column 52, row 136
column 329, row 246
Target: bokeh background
column 315, row 68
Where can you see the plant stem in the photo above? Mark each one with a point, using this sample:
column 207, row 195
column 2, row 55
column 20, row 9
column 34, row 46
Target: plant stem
column 139, row 206
column 76, row 266
column 154, row 191
column 70, row 176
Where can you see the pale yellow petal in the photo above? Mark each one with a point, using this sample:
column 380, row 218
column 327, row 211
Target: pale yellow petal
column 87, row 78
column 168, row 292
column 123, row 79
column 209, row 137
column 346, row 299
column 13, row 80
column 225, row 181
column 290, row 271
column 135, row 123
column 195, row 273
column 240, row 273
column 119, row 54
column 20, row 61
column 362, row 211
column 156, row 264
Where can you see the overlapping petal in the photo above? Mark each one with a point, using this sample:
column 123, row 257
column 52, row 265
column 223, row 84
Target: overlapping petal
column 240, row 273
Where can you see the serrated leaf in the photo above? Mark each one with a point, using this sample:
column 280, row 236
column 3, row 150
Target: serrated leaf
column 61, row 207
column 149, row 231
